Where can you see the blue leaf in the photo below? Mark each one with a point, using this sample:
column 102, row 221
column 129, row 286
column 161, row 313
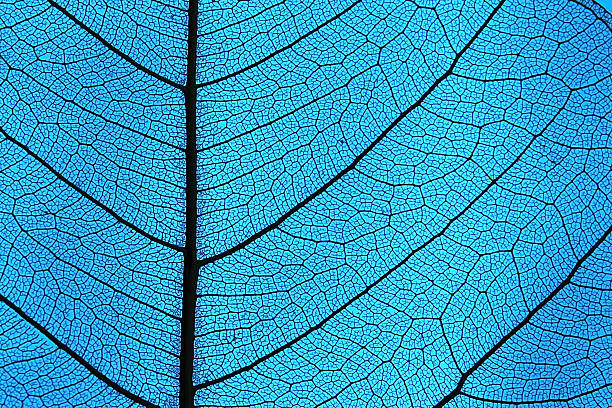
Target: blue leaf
column 281, row 204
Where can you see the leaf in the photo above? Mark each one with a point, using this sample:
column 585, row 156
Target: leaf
column 356, row 204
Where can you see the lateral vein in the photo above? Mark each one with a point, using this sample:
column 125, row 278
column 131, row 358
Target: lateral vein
column 94, row 371
column 114, row 49
column 87, row 196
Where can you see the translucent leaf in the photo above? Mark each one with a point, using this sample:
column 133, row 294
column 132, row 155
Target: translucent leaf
column 323, row 203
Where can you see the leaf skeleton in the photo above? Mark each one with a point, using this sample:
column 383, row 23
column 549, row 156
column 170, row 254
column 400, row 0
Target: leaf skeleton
column 315, row 203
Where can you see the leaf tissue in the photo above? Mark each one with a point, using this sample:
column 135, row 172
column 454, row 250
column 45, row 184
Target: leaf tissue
column 321, row 203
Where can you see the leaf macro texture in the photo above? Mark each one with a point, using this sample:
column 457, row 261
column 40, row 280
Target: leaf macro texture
column 321, row 203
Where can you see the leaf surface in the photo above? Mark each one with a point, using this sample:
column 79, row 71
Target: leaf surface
column 351, row 203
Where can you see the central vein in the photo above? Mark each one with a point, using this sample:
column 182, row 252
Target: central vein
column 191, row 267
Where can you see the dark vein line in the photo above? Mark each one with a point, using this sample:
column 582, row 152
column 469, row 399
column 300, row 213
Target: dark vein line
column 357, row 159
column 578, row 285
column 113, row 49
column 280, row 50
column 285, row 115
column 87, row 110
column 95, row 278
column 238, row 22
column 597, row 16
column 457, row 390
column 371, row 285
column 191, row 267
column 83, row 193
column 397, row 266
column 76, row 357
column 548, row 401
